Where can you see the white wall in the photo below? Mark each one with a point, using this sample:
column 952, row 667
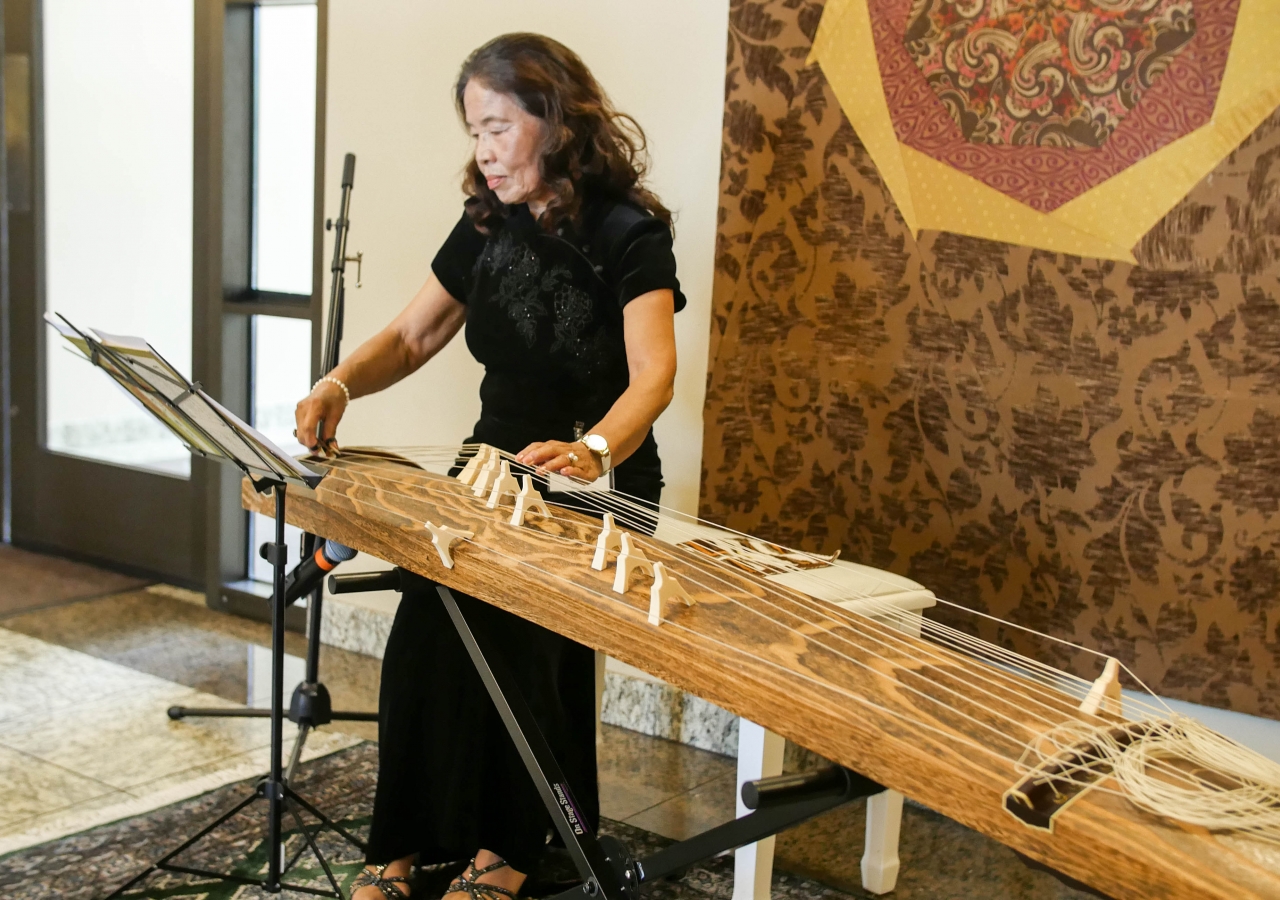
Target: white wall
column 391, row 69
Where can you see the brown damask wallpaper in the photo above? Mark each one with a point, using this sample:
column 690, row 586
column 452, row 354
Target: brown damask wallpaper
column 1085, row 447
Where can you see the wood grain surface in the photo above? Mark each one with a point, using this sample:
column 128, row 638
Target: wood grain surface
column 898, row 709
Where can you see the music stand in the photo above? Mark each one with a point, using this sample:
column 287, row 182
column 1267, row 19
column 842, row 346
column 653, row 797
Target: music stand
column 208, row 429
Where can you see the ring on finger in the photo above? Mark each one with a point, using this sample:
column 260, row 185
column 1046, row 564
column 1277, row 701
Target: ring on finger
column 573, row 457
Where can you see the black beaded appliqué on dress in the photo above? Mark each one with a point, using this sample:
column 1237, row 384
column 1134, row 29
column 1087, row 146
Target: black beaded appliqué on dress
column 521, row 285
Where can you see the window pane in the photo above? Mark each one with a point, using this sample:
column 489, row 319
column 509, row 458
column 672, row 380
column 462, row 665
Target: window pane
column 118, row 89
column 286, row 130
column 281, row 377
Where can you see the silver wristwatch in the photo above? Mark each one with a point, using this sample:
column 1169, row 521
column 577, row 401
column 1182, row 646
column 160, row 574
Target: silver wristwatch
column 600, row 447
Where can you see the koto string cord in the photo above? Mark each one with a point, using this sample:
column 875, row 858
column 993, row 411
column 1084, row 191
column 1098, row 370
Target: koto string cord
column 712, row 590
column 825, row 613
column 622, row 505
column 1240, row 791
column 898, row 644
column 857, row 698
column 882, row 609
column 646, row 513
column 620, row 601
column 458, row 493
column 898, row 641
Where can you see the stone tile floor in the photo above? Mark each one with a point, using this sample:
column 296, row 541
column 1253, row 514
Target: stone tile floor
column 33, row 580
column 85, row 741
column 171, row 634
column 82, row 731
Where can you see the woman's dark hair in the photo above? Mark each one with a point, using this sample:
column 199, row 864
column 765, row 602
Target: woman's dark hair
column 587, row 142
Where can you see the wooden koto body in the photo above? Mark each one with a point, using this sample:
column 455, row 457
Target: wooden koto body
column 762, row 654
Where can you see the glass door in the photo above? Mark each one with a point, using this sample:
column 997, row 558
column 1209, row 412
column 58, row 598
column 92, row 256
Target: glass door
column 109, row 244
column 118, row 122
column 175, row 200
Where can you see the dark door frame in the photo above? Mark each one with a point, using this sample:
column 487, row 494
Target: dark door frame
column 230, row 298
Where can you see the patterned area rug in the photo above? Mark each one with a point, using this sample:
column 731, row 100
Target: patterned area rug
column 90, row 865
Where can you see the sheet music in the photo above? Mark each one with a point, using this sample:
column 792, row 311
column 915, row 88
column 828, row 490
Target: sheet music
column 202, row 424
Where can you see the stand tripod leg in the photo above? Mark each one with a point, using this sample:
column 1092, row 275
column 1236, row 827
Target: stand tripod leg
column 163, row 862
column 310, row 839
column 296, row 755
column 325, row 820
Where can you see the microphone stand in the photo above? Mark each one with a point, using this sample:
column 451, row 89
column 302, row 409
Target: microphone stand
column 310, row 705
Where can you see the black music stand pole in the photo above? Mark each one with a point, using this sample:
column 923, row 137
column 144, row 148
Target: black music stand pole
column 310, row 705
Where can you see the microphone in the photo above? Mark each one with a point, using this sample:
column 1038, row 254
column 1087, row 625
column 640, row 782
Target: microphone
column 307, row 575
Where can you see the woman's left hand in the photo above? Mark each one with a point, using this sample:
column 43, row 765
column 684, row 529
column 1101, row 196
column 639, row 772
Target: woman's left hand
column 571, row 460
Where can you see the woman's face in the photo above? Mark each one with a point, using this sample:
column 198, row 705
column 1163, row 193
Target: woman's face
column 507, row 143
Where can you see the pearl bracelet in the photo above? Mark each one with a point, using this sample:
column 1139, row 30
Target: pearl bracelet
column 329, row 378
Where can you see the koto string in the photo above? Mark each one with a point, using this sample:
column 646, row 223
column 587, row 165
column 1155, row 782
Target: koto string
column 897, row 641
column 821, row 684
column 450, row 457
column 1250, row 803
column 700, row 562
column 945, row 634
column 1001, row 734
column 683, row 628
column 420, row 486
column 617, row 500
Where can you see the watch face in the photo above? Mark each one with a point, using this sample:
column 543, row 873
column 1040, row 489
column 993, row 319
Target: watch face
column 596, row 443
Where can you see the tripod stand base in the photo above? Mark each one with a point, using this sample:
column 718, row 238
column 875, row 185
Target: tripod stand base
column 290, row 803
column 183, row 712
column 309, row 707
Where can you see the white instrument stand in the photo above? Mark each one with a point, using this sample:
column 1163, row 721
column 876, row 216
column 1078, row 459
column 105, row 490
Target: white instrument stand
column 760, row 756
column 760, row 751
column 880, row 853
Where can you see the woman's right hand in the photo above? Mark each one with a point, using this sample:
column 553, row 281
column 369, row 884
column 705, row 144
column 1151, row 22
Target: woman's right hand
column 318, row 414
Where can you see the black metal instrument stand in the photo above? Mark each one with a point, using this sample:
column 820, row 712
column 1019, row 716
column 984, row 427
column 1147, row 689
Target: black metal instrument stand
column 607, row 868
column 274, row 789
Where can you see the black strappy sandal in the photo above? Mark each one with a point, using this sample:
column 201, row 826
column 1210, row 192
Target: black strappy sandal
column 466, row 882
column 390, row 887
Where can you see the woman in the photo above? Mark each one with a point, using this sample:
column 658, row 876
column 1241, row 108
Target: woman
column 561, row 270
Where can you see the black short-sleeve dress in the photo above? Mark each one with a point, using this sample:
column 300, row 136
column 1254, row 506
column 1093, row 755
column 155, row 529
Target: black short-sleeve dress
column 545, row 318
